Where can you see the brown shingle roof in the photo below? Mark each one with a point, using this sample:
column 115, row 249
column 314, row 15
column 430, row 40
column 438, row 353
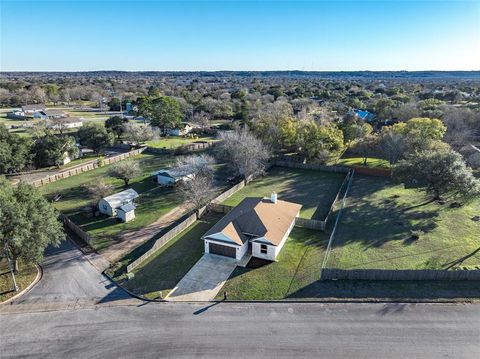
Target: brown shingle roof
column 257, row 217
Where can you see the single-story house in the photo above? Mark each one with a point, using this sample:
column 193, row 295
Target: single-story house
column 182, row 130
column 261, row 224
column 53, row 114
column 364, row 115
column 16, row 115
column 29, row 110
column 126, row 212
column 109, row 205
column 64, row 123
column 173, row 175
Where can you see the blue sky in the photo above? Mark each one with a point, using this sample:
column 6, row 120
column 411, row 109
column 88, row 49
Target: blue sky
column 239, row 35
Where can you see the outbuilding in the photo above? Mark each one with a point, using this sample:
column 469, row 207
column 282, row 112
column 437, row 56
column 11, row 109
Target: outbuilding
column 126, row 213
column 110, row 205
column 173, row 175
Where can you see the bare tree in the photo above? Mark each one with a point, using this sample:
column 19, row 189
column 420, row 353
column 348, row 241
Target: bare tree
column 98, row 190
column 393, row 146
column 198, row 189
column 138, row 134
column 125, row 170
column 244, row 152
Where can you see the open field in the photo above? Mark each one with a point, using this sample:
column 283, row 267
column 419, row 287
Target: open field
column 315, row 190
column 381, row 219
column 162, row 271
column 298, row 266
column 172, row 142
column 26, row 275
column 358, row 162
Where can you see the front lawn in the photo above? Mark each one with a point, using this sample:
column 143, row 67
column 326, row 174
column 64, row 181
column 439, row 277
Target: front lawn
column 172, row 142
column 25, row 276
column 315, row 190
column 162, row 271
column 298, row 266
column 385, row 226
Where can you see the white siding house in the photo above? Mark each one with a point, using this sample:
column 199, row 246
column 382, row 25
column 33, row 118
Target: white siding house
column 126, row 213
column 109, row 205
column 257, row 223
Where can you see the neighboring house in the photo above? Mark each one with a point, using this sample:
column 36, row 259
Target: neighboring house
column 364, row 115
column 261, row 224
column 181, row 131
column 173, row 175
column 29, row 110
column 53, row 114
column 110, row 205
column 126, row 212
column 64, row 123
column 16, row 114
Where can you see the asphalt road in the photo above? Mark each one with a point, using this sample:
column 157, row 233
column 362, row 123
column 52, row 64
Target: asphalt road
column 232, row 330
column 69, row 277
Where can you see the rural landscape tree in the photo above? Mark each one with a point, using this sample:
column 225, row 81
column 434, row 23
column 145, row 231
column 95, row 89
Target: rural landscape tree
column 95, row 137
column 116, row 124
column 28, row 224
column 163, row 112
column 125, row 170
column 244, row 152
column 199, row 188
column 439, row 172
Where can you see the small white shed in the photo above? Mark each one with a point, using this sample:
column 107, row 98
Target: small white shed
column 173, row 175
column 126, row 212
column 109, row 205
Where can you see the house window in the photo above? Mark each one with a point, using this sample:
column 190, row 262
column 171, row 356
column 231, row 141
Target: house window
column 263, row 248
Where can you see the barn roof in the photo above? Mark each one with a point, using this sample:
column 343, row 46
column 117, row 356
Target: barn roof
column 118, row 199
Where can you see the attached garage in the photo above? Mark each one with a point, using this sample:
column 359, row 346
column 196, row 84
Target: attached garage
column 219, row 249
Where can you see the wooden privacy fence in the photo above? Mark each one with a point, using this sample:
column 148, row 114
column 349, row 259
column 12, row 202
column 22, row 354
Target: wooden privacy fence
column 322, row 224
column 219, row 208
column 184, row 224
column 191, row 147
column 74, row 228
column 84, row 168
column 399, row 274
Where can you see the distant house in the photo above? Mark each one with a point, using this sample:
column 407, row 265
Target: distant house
column 261, row 224
column 64, row 123
column 364, row 115
column 110, row 205
column 29, row 110
column 16, row 115
column 126, row 213
column 53, row 114
column 173, row 175
column 182, row 130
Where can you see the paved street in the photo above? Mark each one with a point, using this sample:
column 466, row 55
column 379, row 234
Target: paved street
column 69, row 277
column 246, row 330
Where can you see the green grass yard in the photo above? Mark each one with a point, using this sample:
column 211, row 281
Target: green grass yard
column 162, row 271
column 172, row 142
column 358, row 162
column 298, row 266
column 25, row 276
column 154, row 201
column 375, row 231
column 315, row 190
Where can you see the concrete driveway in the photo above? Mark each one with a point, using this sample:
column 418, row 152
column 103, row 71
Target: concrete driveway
column 205, row 279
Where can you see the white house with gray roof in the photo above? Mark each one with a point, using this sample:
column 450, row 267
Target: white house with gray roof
column 110, row 205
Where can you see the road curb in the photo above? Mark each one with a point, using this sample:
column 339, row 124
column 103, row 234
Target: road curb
column 30, row 286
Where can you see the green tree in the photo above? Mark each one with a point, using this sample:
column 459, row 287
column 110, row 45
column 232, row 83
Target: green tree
column 114, row 104
column 420, row 132
column 439, row 172
column 319, row 142
column 95, row 137
column 126, row 170
column 28, row 223
column 116, row 124
column 14, row 151
column 163, row 112
column 51, row 150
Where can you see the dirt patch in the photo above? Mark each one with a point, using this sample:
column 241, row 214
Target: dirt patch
column 128, row 240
